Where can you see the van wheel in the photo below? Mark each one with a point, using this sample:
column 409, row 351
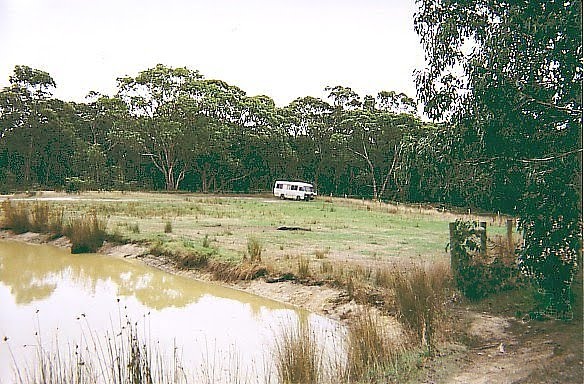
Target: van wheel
column 297, row 198
column 282, row 197
column 307, row 198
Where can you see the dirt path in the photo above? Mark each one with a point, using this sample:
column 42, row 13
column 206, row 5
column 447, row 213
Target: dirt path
column 505, row 350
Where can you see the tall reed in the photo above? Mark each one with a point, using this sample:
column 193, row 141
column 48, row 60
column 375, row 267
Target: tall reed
column 16, row 217
column 126, row 358
column 372, row 352
column 420, row 301
column 297, row 356
column 86, row 233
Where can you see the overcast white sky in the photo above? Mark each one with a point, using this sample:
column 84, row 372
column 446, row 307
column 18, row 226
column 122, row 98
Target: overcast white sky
column 281, row 48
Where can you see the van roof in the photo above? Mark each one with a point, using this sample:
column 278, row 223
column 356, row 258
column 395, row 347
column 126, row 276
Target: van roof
column 293, row 182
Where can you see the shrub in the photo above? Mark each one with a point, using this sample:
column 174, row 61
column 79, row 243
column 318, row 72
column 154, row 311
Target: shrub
column 476, row 275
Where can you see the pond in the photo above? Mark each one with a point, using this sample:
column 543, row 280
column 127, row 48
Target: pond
column 56, row 303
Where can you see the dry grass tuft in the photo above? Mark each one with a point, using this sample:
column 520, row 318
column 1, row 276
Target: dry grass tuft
column 87, row 234
column 225, row 271
column 303, row 267
column 420, row 301
column 371, row 350
column 254, row 249
column 297, row 356
column 16, row 217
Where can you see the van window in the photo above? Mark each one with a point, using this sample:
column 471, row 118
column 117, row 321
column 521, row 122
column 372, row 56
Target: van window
column 279, row 186
column 294, row 188
column 302, row 188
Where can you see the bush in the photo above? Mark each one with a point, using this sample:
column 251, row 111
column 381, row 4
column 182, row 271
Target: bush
column 478, row 276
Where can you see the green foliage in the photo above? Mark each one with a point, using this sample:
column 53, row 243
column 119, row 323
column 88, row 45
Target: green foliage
column 476, row 275
column 508, row 77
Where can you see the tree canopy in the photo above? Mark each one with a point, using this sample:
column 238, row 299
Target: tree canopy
column 507, row 77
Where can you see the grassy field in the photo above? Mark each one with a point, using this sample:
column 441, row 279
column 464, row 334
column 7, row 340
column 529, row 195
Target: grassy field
column 337, row 230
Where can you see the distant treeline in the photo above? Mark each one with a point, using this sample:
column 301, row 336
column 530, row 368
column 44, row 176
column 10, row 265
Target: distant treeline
column 172, row 129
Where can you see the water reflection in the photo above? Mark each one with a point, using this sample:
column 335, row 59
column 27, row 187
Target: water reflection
column 48, row 291
column 33, row 271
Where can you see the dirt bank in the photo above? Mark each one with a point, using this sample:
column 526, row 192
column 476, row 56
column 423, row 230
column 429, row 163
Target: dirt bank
column 318, row 299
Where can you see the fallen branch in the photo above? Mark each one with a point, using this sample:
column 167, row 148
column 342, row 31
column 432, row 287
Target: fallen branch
column 286, row 228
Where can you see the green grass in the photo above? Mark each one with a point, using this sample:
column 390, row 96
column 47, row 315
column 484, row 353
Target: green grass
column 345, row 228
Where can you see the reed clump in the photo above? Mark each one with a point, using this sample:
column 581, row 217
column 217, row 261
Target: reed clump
column 39, row 217
column 126, row 358
column 226, row 271
column 192, row 260
column 371, row 351
column 254, row 249
column 87, row 234
column 303, row 267
column 16, row 217
column 298, row 356
column 420, row 301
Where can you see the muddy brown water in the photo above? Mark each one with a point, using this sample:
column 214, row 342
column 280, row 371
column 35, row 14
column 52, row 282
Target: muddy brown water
column 51, row 298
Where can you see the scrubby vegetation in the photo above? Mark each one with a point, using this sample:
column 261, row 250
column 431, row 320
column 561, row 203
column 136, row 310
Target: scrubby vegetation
column 221, row 237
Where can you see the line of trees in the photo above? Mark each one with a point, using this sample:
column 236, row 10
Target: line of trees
column 504, row 78
column 170, row 128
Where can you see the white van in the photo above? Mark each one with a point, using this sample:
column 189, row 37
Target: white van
column 294, row 190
